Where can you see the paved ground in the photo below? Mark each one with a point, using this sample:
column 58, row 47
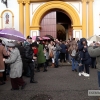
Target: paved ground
column 59, row 83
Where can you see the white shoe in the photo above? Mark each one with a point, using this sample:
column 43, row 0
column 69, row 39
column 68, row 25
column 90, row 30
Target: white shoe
column 87, row 75
column 80, row 74
column 83, row 73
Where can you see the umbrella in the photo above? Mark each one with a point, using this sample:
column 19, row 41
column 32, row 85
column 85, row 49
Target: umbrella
column 0, row 30
column 49, row 37
column 36, row 38
column 46, row 38
column 94, row 38
column 12, row 34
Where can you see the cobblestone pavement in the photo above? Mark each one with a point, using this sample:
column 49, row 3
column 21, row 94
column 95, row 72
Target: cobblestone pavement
column 58, row 83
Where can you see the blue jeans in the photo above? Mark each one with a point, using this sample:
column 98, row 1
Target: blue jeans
column 99, row 78
column 74, row 64
column 57, row 57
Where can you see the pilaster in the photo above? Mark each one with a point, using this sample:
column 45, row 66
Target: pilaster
column 84, row 18
column 21, row 16
column 27, row 16
column 90, row 18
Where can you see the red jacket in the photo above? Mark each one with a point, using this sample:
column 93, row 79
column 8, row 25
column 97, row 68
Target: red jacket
column 35, row 51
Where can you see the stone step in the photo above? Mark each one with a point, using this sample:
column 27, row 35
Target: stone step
column 63, row 64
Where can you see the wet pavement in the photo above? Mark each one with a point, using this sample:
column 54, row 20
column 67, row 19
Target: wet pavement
column 56, row 84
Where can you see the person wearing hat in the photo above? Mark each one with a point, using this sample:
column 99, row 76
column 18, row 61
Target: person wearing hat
column 29, row 60
column 25, row 67
column 28, row 40
column 15, row 62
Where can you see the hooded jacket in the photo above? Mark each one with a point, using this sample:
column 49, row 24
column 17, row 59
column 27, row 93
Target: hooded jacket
column 95, row 52
column 81, row 46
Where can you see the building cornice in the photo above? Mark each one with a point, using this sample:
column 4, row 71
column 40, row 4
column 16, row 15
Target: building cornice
column 52, row 0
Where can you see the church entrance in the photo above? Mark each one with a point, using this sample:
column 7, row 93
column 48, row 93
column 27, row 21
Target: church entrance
column 57, row 24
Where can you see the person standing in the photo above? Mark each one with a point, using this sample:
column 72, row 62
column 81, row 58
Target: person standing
column 72, row 51
column 26, row 45
column 52, row 51
column 3, row 52
column 41, row 58
column 58, row 49
column 63, row 51
column 15, row 62
column 85, row 59
column 95, row 52
column 29, row 56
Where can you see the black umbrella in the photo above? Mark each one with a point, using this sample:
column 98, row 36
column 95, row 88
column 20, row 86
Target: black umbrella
column 49, row 37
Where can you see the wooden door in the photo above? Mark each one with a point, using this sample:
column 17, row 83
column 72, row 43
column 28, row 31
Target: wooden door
column 48, row 24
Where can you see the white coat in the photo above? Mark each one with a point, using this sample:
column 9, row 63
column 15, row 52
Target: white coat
column 15, row 62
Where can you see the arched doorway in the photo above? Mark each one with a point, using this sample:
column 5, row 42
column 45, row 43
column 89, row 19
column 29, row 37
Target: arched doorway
column 49, row 6
column 57, row 24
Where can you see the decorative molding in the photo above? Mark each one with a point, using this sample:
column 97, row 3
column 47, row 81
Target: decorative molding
column 34, row 27
column 74, row 6
column 87, row 1
column 69, row 10
column 76, row 27
column 20, row 1
column 84, row 0
column 52, row 0
column 2, row 18
column 27, row 1
column 36, row 8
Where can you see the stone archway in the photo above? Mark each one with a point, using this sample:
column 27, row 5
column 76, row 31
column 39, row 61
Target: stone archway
column 59, row 5
column 69, row 10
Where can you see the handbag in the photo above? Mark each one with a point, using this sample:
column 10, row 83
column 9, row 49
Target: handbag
column 51, row 54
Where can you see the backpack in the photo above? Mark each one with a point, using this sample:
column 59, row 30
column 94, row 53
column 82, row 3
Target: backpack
column 73, row 53
column 77, row 56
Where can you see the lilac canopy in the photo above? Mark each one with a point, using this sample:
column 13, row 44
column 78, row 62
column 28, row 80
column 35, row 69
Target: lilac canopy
column 12, row 34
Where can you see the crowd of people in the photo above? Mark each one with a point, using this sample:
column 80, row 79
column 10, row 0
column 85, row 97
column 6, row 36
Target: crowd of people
column 23, row 59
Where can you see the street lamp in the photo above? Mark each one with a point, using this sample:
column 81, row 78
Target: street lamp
column 5, row 2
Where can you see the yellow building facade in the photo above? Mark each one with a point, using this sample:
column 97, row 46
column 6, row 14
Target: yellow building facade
column 31, row 12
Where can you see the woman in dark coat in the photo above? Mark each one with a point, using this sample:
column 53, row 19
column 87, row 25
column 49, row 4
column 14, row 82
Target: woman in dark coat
column 84, row 57
column 86, row 60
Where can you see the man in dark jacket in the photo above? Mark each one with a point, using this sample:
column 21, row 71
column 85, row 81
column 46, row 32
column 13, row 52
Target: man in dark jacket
column 25, row 66
column 63, row 51
column 29, row 60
